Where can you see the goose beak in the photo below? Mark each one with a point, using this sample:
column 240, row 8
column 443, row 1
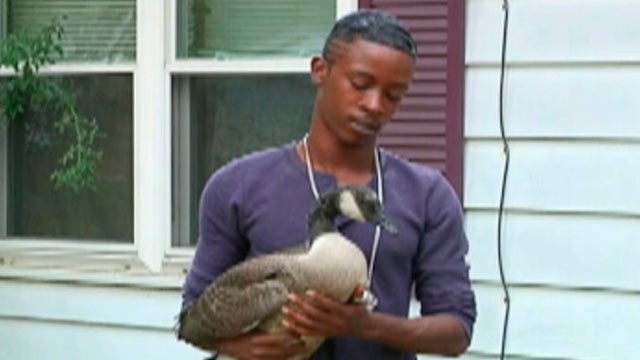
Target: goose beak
column 386, row 224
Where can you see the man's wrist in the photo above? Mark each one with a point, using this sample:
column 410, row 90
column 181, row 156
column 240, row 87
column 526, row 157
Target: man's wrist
column 370, row 329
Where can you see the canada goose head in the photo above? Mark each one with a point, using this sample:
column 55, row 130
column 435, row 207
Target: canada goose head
column 357, row 202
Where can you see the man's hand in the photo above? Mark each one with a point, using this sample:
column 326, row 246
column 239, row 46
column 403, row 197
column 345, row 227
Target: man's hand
column 261, row 346
column 319, row 315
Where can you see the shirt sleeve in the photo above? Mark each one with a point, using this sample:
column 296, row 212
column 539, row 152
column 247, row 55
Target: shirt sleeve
column 442, row 280
column 220, row 241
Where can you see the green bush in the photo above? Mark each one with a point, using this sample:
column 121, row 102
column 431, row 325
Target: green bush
column 26, row 96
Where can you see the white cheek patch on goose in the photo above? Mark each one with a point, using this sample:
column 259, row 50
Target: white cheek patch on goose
column 349, row 206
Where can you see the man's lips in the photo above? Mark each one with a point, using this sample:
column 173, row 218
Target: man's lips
column 365, row 127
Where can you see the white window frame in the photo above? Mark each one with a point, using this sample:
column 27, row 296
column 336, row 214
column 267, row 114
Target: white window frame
column 150, row 260
column 3, row 141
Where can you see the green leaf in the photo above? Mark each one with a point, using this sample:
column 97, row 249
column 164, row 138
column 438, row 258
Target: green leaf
column 26, row 92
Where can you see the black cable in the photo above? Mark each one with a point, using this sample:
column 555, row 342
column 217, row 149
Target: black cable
column 505, row 143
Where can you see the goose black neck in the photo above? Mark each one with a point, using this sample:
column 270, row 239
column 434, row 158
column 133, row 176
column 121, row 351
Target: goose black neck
column 322, row 217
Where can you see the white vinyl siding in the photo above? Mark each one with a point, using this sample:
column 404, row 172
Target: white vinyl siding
column 570, row 235
column 550, row 31
column 87, row 321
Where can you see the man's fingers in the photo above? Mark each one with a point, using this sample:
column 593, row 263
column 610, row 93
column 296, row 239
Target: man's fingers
column 268, row 339
column 298, row 322
column 321, row 301
column 315, row 305
column 276, row 346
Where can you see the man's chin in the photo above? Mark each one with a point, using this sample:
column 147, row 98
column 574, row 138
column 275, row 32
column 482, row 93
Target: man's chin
column 356, row 139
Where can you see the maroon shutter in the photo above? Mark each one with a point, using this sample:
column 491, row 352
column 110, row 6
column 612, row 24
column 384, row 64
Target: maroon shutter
column 427, row 128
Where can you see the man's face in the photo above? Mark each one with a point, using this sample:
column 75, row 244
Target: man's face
column 360, row 87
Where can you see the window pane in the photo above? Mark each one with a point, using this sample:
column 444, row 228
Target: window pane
column 3, row 17
column 94, row 30
column 218, row 118
column 35, row 208
column 252, row 28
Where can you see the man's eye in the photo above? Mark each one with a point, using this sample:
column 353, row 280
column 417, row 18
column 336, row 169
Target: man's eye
column 394, row 97
column 359, row 85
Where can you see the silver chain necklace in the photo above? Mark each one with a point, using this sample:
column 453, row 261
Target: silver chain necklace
column 368, row 297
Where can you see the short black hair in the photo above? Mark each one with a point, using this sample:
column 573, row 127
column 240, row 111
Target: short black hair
column 371, row 25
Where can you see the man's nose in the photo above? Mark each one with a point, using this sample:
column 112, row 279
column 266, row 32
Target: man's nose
column 373, row 102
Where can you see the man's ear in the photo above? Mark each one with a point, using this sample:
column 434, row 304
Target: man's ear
column 319, row 70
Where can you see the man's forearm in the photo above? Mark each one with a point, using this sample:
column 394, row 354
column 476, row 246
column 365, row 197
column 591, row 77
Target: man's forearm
column 437, row 334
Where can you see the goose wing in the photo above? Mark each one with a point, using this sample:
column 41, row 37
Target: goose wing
column 239, row 300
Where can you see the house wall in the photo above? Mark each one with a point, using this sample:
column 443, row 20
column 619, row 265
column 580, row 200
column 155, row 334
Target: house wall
column 68, row 321
column 570, row 234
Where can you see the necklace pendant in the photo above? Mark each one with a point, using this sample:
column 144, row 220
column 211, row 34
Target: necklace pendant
column 368, row 299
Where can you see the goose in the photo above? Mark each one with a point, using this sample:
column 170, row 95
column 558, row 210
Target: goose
column 250, row 294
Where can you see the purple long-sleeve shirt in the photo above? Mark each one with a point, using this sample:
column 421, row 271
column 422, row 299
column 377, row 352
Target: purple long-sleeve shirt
column 259, row 204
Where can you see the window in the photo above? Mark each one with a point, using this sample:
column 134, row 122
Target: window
column 239, row 83
column 179, row 88
column 35, row 209
column 99, row 49
column 231, row 115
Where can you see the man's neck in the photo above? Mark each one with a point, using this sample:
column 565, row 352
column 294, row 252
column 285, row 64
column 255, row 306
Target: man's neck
column 349, row 164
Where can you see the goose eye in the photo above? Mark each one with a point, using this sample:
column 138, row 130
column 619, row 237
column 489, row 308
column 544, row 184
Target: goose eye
column 372, row 207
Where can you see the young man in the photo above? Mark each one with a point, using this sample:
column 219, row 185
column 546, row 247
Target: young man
column 258, row 204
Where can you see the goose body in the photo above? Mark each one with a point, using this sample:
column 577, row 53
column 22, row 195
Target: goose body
column 251, row 294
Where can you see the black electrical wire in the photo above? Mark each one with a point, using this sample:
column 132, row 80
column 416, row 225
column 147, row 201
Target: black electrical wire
column 505, row 173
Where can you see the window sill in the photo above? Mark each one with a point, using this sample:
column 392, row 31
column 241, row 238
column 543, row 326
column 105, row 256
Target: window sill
column 116, row 265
